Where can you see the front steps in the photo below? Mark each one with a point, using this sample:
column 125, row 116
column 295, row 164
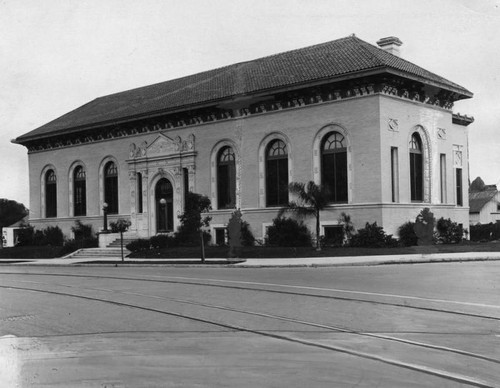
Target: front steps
column 99, row 253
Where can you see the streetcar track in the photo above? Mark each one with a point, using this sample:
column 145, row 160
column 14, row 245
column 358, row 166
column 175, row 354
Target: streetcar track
column 418, row 368
column 288, row 319
column 284, row 292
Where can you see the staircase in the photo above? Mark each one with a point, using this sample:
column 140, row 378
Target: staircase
column 111, row 252
column 99, row 254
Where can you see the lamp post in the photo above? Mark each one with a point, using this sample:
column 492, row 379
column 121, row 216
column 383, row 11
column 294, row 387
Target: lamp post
column 105, row 212
column 163, row 219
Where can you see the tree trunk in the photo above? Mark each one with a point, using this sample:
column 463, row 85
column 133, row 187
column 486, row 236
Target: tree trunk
column 318, row 242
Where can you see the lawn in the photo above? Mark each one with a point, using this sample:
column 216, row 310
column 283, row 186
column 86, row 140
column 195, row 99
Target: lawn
column 263, row 251
column 38, row 252
column 289, row 252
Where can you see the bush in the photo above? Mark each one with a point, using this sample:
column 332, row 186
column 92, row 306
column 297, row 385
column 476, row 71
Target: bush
column 372, row 236
column 25, row 236
column 287, row 232
column 121, row 225
column 188, row 233
column 247, row 238
column 52, row 235
column 162, row 241
column 82, row 231
column 449, row 232
column 138, row 245
column 407, row 236
column 73, row 245
column 485, row 232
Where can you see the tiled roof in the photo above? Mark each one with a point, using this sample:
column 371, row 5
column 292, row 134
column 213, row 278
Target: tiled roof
column 293, row 68
column 477, row 199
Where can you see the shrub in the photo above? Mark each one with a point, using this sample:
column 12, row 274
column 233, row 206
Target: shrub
column 51, row 235
column 82, row 231
column 449, row 232
column 372, row 236
column 191, row 220
column 121, row 225
column 162, row 241
column 247, row 238
column 139, row 245
column 485, row 232
column 73, row 245
column 25, row 236
column 407, row 236
column 287, row 232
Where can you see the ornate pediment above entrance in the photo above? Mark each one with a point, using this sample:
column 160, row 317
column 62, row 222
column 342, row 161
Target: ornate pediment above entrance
column 163, row 147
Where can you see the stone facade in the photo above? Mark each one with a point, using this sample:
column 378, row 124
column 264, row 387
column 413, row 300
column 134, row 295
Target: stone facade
column 163, row 150
column 372, row 124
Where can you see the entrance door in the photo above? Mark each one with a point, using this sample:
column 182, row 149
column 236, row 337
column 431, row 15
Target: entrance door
column 164, row 199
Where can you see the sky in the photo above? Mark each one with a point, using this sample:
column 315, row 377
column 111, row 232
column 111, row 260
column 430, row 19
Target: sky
column 57, row 55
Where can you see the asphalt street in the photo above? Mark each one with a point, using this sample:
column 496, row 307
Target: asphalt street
column 407, row 325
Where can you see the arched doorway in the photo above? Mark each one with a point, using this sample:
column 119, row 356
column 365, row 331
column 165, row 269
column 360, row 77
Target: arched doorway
column 164, row 202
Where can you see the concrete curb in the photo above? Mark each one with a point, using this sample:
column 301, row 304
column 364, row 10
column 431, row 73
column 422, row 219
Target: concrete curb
column 351, row 261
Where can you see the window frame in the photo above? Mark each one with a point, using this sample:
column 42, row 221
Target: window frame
column 50, row 183
column 276, row 169
column 416, row 167
column 336, row 178
column 226, row 177
column 111, row 190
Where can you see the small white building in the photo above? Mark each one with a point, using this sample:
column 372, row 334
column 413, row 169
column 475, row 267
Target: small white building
column 484, row 206
column 10, row 233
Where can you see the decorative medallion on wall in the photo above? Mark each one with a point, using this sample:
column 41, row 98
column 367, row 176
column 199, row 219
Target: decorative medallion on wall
column 441, row 133
column 457, row 156
column 393, row 125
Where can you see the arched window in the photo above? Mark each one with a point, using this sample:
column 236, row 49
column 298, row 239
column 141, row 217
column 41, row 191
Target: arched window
column 50, row 194
column 164, row 198
column 416, row 168
column 79, row 192
column 276, row 174
column 334, row 166
column 226, row 179
column 111, row 187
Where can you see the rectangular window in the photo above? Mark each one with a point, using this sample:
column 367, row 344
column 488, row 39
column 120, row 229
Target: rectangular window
column 416, row 177
column 334, row 175
column 277, row 182
column 51, row 200
column 442, row 168
column 459, row 187
column 220, row 236
column 395, row 174
column 139, row 193
column 185, row 173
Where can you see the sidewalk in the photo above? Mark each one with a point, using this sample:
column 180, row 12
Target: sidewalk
column 255, row 263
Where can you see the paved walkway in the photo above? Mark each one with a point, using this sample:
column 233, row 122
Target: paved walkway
column 289, row 262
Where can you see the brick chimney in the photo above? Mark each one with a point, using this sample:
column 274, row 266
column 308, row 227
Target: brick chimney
column 390, row 44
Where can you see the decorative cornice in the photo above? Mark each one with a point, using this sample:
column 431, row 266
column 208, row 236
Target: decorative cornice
column 290, row 100
column 464, row 120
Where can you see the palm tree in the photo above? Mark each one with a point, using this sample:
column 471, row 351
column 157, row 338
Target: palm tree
column 311, row 199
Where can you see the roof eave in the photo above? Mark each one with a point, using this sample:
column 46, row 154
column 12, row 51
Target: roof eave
column 462, row 93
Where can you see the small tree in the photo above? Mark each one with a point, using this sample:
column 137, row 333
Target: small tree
column 120, row 226
column 311, row 199
column 477, row 185
column 191, row 220
column 347, row 227
column 11, row 212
